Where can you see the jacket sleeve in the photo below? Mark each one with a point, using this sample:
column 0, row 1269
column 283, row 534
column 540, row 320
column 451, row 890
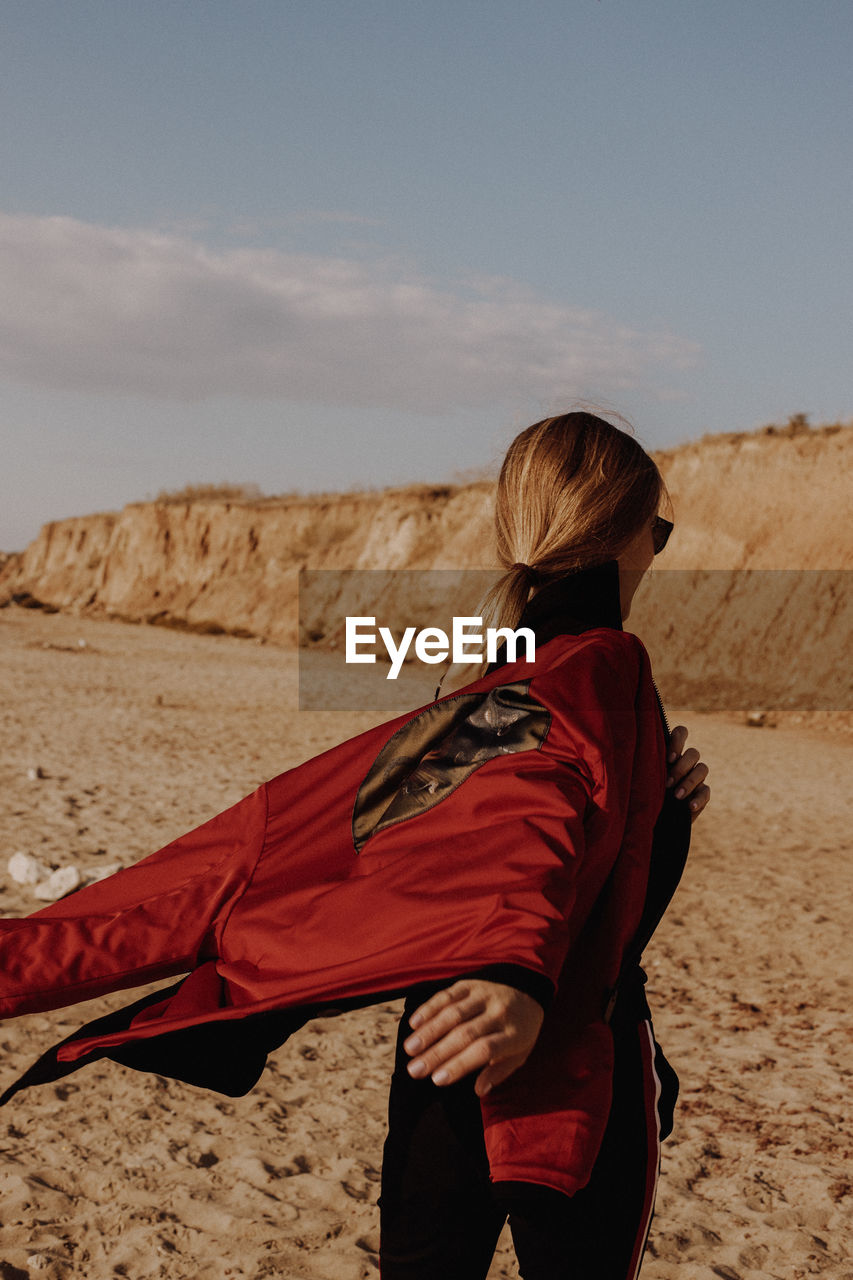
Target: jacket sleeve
column 149, row 921
column 318, row 887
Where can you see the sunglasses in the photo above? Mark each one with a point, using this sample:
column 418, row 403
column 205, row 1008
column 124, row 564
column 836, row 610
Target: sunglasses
column 661, row 529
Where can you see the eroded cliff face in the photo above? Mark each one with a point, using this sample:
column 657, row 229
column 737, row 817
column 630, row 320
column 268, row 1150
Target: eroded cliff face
column 754, row 502
column 235, row 566
column 762, row 501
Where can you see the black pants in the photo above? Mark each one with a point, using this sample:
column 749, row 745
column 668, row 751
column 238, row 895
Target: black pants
column 441, row 1216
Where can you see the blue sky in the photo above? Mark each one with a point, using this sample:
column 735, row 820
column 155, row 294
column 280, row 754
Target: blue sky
column 315, row 245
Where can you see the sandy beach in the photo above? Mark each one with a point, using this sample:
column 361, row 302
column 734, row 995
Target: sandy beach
column 117, row 738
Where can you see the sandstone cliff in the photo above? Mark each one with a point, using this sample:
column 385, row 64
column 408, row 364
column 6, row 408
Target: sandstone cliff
column 234, row 565
column 768, row 501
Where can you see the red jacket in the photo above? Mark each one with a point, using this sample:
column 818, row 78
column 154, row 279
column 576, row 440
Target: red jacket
column 510, row 822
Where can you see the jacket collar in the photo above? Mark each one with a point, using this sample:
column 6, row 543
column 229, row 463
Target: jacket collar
column 572, row 604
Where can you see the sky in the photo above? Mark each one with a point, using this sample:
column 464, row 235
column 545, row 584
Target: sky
column 324, row 244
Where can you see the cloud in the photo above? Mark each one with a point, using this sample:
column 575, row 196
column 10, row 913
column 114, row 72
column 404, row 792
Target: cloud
column 103, row 309
column 250, row 226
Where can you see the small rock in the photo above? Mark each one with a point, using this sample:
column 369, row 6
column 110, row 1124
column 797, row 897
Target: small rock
column 57, row 885
column 756, row 719
column 25, row 869
column 47, row 1261
column 82, row 644
column 35, row 775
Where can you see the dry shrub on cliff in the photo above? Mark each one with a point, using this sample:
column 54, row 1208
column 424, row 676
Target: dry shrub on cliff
column 211, row 493
column 250, row 495
column 798, row 424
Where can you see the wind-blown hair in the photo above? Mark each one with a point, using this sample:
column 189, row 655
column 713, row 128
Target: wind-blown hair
column 573, row 491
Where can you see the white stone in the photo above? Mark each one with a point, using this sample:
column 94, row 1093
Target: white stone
column 25, row 869
column 58, row 884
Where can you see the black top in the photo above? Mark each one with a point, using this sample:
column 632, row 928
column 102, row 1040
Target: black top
column 573, row 604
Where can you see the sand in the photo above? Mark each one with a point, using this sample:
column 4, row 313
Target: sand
column 142, row 733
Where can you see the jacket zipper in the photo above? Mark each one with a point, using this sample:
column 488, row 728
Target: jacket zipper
column 662, row 710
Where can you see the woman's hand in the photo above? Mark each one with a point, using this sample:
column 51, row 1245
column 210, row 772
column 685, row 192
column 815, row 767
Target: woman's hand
column 687, row 773
column 473, row 1026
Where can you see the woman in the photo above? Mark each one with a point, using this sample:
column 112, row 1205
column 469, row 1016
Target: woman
column 502, row 835
column 577, row 521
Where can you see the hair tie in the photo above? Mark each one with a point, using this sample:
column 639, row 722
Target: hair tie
column 529, row 572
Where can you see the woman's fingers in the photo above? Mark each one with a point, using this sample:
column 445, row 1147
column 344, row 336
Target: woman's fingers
column 687, row 772
column 457, row 1055
column 698, row 800
column 682, row 766
column 470, row 1026
column 677, row 739
column 440, row 1014
column 441, row 1000
column 492, row 1028
column 694, row 789
column 437, row 1038
column 691, row 780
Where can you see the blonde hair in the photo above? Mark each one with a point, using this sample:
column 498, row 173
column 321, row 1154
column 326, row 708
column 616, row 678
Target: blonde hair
column 573, row 491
